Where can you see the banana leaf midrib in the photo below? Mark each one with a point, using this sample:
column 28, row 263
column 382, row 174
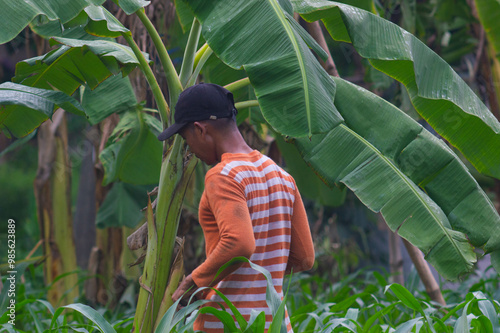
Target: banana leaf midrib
column 296, row 48
column 405, row 179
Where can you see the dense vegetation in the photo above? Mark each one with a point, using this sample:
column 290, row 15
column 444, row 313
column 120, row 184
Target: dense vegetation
column 393, row 104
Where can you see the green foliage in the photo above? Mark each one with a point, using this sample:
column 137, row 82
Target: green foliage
column 15, row 16
column 293, row 91
column 24, row 108
column 361, row 302
column 379, row 154
column 114, row 95
column 440, row 96
column 35, row 314
column 133, row 153
column 122, row 206
column 489, row 14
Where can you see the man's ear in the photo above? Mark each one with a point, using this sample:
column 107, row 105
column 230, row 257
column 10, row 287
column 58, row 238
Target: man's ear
column 200, row 128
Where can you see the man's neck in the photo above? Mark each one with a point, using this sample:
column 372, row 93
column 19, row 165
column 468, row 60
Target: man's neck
column 233, row 144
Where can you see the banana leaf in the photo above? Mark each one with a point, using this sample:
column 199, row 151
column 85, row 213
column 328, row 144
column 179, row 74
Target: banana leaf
column 133, row 154
column 24, row 107
column 344, row 156
column 426, row 160
column 122, row 206
column 184, row 15
column 65, row 69
column 309, row 184
column 399, row 169
column 293, row 90
column 16, row 15
column 439, row 95
column 115, row 94
column 489, row 15
column 131, row 6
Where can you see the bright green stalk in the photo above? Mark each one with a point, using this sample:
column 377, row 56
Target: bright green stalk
column 192, row 79
column 232, row 87
column 246, row 104
column 174, row 84
column 153, row 84
column 200, row 53
column 190, row 52
column 174, row 177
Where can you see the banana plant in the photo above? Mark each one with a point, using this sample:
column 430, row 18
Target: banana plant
column 392, row 164
column 489, row 12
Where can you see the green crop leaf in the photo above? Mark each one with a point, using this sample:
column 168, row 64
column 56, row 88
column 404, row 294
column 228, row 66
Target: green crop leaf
column 102, row 23
column 135, row 157
column 89, row 313
column 184, row 15
column 309, row 184
column 23, row 108
column 489, row 15
column 16, row 15
column 73, row 29
column 382, row 154
column 65, row 69
column 439, row 95
column 425, row 160
column 405, row 296
column 293, row 90
column 344, row 156
column 122, row 206
column 113, row 95
column 110, row 51
column 131, row 6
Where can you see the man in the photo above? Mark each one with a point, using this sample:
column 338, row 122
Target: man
column 250, row 208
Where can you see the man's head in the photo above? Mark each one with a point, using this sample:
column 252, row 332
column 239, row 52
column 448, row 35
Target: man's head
column 203, row 114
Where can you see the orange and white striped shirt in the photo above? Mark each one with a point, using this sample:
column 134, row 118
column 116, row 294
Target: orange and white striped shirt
column 250, row 207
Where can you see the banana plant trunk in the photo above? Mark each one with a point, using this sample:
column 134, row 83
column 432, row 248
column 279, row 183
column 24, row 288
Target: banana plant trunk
column 53, row 199
column 177, row 168
column 105, row 264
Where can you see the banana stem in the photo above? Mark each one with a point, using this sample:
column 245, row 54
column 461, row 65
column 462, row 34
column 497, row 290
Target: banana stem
column 246, row 104
column 174, row 84
column 232, row 87
column 163, row 108
column 190, row 52
column 199, row 54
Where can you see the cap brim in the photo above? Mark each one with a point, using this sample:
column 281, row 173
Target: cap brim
column 174, row 129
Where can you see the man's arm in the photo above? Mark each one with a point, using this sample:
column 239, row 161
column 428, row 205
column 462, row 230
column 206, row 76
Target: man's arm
column 228, row 204
column 301, row 257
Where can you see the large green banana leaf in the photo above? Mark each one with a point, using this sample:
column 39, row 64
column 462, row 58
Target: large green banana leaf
column 489, row 14
column 131, row 6
column 65, row 69
column 133, row 154
column 293, row 90
column 309, row 184
column 36, row 102
column 383, row 156
column 440, row 96
column 122, row 206
column 344, row 156
column 426, row 160
column 16, row 15
column 114, row 95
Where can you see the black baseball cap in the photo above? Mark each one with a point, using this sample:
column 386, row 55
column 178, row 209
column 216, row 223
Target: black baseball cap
column 200, row 102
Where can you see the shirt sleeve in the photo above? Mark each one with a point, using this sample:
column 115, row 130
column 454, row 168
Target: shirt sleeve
column 227, row 202
column 301, row 257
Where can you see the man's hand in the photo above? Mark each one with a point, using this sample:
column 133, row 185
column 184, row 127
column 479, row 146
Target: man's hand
column 183, row 288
